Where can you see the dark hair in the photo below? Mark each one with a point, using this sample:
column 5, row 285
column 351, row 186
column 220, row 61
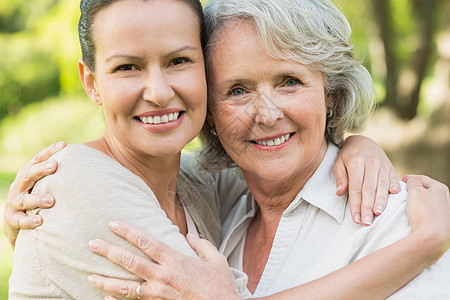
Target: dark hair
column 90, row 8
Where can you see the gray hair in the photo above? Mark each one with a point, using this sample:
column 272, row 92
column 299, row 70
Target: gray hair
column 312, row 32
column 90, row 8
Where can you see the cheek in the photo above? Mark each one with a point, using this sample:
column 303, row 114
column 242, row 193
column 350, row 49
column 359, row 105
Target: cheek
column 192, row 85
column 120, row 90
column 311, row 111
column 228, row 116
column 233, row 126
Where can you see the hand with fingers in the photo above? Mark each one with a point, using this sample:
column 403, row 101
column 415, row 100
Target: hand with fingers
column 19, row 197
column 363, row 169
column 428, row 209
column 168, row 274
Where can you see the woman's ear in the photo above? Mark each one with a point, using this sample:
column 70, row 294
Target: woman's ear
column 329, row 104
column 89, row 83
column 209, row 118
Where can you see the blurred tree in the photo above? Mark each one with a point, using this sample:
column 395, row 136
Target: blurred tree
column 403, row 80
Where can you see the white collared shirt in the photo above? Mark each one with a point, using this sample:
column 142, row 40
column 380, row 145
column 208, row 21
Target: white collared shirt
column 316, row 236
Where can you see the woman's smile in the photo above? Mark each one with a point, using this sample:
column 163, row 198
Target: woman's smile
column 273, row 143
column 161, row 121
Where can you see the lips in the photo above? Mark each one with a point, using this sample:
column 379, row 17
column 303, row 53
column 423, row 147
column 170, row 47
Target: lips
column 273, row 142
column 160, row 119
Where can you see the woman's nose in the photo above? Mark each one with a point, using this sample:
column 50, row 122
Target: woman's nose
column 157, row 88
column 267, row 112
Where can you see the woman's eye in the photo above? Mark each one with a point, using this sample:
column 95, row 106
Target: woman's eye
column 127, row 67
column 292, row 82
column 237, row 92
column 179, row 61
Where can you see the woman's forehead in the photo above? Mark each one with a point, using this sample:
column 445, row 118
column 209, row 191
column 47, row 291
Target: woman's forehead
column 175, row 15
column 138, row 24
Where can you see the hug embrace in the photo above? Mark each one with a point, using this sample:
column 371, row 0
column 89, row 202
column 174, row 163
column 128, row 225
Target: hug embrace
column 272, row 87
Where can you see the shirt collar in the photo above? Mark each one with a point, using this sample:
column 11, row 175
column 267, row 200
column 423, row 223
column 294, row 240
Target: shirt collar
column 320, row 189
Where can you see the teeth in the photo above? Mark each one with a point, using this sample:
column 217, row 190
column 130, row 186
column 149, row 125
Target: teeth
column 278, row 141
column 160, row 119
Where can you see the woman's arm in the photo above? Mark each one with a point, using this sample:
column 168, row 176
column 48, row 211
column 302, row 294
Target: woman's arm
column 376, row 276
column 361, row 167
column 385, row 271
column 19, row 197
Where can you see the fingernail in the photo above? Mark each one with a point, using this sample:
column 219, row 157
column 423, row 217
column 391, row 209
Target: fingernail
column 367, row 220
column 114, row 225
column 36, row 220
column 193, row 235
column 47, row 200
column 59, row 144
column 93, row 245
column 50, row 165
column 358, row 218
column 379, row 209
column 92, row 279
column 396, row 188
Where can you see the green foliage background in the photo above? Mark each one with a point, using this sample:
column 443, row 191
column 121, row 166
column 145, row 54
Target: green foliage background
column 42, row 100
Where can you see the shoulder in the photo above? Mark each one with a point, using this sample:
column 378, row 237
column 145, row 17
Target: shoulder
column 392, row 224
column 396, row 202
column 91, row 184
column 81, row 157
column 190, row 171
column 85, row 167
column 225, row 186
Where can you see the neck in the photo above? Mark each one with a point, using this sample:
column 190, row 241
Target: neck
column 273, row 197
column 159, row 173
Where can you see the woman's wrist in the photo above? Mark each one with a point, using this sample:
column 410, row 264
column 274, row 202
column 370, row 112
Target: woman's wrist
column 433, row 243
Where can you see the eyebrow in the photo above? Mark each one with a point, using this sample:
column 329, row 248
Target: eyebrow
column 118, row 55
column 187, row 47
column 132, row 57
column 286, row 74
column 234, row 81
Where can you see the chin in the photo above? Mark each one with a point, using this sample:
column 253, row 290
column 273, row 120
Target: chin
column 270, row 172
column 161, row 151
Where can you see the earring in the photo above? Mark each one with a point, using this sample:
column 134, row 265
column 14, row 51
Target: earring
column 330, row 113
column 214, row 131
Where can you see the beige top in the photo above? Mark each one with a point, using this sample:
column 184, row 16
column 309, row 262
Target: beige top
column 91, row 188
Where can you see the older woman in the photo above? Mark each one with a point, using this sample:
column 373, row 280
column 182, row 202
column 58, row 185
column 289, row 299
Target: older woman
column 296, row 89
column 284, row 88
